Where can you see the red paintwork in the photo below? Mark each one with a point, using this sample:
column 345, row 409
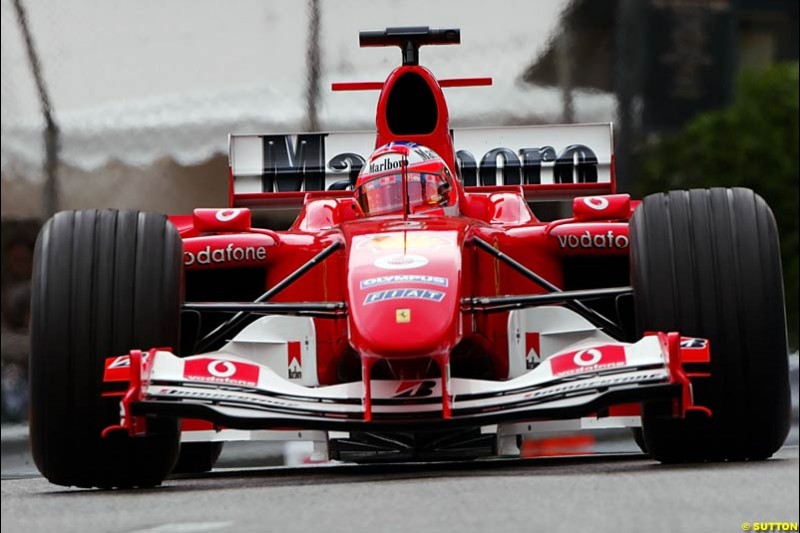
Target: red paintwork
column 192, row 424
column 625, row 409
column 440, row 244
column 378, row 85
column 357, row 86
column 608, row 207
column 134, row 425
column 466, row 82
column 672, row 344
column 439, row 139
column 219, row 220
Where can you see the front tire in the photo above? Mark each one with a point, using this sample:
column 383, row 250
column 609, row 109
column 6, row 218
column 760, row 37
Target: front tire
column 104, row 282
column 706, row 263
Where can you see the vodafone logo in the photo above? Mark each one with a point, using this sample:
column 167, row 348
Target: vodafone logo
column 228, row 254
column 588, row 360
column 588, row 357
column 221, row 371
column 226, row 215
column 598, row 203
column 590, row 239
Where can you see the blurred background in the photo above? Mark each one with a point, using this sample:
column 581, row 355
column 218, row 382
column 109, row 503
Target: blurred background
column 128, row 105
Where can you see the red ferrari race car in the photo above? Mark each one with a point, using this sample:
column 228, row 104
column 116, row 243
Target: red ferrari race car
column 415, row 309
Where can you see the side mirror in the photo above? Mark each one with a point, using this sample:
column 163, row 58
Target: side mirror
column 606, row 207
column 221, row 220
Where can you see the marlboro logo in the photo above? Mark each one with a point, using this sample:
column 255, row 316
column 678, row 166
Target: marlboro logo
column 295, row 360
column 385, row 165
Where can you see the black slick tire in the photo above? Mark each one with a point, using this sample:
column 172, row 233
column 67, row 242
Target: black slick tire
column 706, row 263
column 104, row 282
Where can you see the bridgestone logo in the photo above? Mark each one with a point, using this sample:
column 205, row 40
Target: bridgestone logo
column 221, row 396
column 385, row 165
column 230, row 254
column 587, row 240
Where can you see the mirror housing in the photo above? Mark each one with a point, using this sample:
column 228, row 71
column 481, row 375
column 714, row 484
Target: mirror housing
column 231, row 219
column 605, row 207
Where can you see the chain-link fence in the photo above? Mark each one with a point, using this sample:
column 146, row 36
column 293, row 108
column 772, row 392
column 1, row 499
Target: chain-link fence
column 145, row 82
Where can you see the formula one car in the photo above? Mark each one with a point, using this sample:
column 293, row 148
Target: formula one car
column 415, row 309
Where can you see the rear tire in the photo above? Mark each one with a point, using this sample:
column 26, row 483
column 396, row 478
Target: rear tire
column 706, row 263
column 104, row 282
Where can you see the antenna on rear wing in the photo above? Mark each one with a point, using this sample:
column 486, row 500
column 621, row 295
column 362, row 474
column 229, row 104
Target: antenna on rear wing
column 409, row 39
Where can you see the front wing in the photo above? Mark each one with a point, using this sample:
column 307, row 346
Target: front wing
column 237, row 393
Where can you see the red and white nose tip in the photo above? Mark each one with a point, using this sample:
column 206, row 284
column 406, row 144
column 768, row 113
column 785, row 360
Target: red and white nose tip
column 408, row 389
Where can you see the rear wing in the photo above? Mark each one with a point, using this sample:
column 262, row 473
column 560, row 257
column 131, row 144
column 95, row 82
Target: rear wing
column 549, row 162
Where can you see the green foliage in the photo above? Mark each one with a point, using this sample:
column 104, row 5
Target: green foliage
column 752, row 143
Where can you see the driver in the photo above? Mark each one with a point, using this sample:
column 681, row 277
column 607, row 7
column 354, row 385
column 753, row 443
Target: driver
column 379, row 188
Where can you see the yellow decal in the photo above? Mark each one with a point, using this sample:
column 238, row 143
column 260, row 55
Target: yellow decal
column 402, row 316
column 409, row 241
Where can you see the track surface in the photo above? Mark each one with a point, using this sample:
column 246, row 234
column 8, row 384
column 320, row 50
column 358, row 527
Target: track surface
column 621, row 492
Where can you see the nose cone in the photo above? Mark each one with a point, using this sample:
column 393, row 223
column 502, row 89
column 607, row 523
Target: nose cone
column 404, row 291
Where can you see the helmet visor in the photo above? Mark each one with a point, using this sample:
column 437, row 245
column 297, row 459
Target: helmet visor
column 384, row 194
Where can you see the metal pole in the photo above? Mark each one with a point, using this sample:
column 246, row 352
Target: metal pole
column 237, row 319
column 564, row 72
column 504, row 303
column 52, row 144
column 629, row 64
column 313, row 62
column 313, row 309
column 586, row 312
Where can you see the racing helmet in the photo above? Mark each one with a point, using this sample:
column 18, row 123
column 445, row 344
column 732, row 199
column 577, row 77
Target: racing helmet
column 379, row 187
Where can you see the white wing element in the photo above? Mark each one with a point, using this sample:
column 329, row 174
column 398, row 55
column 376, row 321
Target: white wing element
column 287, row 345
column 549, row 159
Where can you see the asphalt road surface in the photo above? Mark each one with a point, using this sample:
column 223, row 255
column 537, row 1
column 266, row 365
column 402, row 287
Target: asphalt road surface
column 613, row 492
